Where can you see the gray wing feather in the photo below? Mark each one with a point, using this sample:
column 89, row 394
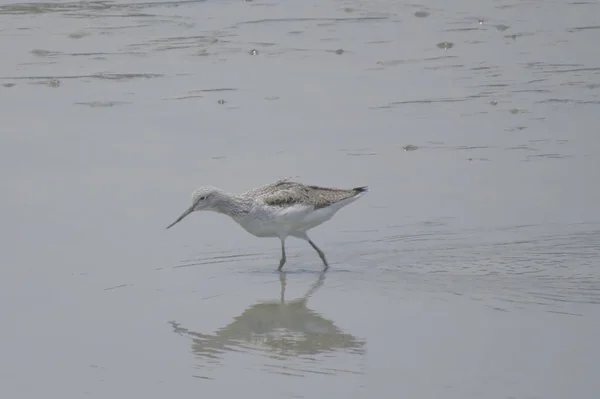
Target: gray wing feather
column 286, row 193
column 267, row 188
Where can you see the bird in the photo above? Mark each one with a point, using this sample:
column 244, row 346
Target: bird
column 280, row 209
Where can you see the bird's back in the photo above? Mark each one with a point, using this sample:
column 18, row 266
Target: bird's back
column 267, row 188
column 287, row 193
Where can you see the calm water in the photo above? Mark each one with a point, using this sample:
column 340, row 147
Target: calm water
column 471, row 269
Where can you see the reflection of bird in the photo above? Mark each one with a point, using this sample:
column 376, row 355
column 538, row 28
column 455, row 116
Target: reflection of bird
column 286, row 328
column 279, row 209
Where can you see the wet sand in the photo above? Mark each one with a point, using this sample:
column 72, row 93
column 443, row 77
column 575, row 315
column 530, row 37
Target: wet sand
column 470, row 270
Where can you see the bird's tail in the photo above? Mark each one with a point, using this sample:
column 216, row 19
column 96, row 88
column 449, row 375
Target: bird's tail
column 362, row 189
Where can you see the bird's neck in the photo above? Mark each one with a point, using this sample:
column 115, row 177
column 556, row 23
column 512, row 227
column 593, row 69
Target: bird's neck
column 233, row 205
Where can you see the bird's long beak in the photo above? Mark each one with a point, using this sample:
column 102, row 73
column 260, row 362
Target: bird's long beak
column 187, row 212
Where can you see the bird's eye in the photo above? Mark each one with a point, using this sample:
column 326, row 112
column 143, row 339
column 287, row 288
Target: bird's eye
column 202, row 198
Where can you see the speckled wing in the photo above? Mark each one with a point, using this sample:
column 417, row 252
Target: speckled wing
column 291, row 193
column 267, row 188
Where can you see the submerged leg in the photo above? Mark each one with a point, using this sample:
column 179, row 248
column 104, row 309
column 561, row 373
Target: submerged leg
column 282, row 281
column 321, row 254
column 282, row 261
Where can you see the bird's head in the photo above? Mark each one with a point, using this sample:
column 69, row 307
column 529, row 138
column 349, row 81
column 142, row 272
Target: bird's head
column 203, row 199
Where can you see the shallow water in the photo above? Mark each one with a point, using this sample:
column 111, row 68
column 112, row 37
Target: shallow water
column 470, row 270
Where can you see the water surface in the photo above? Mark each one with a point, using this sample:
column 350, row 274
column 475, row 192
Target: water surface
column 470, row 270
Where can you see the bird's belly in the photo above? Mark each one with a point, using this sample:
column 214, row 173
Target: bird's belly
column 286, row 222
column 261, row 227
column 315, row 218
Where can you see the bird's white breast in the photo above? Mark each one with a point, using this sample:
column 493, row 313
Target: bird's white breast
column 281, row 222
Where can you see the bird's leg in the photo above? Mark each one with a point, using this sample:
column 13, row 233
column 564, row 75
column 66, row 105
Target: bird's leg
column 282, row 261
column 321, row 254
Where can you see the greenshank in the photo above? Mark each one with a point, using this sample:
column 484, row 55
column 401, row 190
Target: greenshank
column 280, row 209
